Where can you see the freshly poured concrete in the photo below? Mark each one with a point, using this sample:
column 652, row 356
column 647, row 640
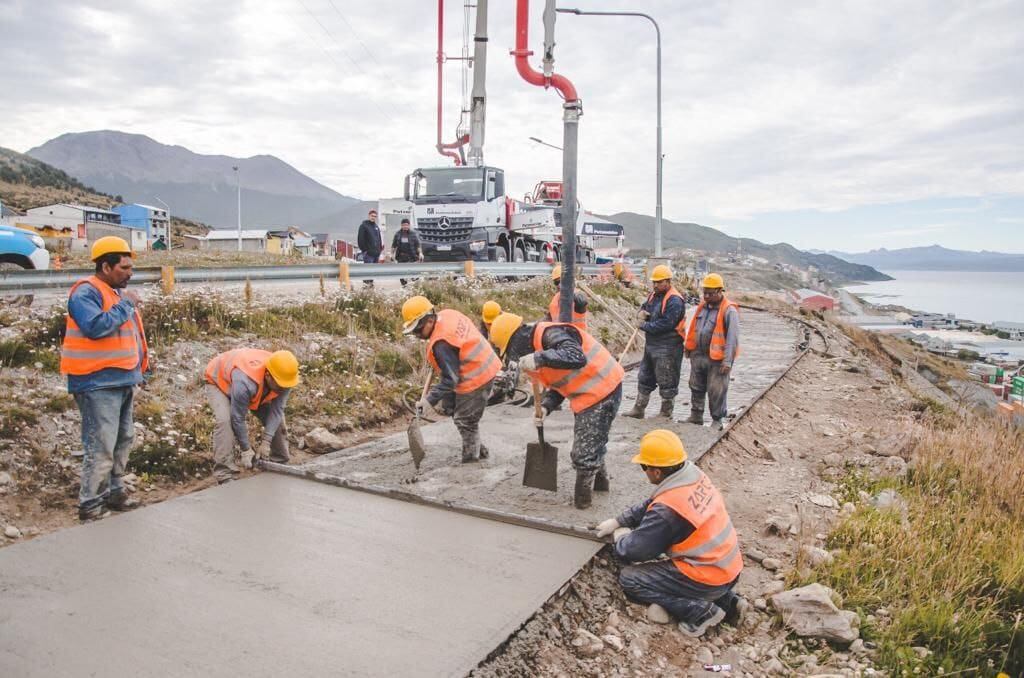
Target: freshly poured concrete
column 274, row 576
column 769, row 347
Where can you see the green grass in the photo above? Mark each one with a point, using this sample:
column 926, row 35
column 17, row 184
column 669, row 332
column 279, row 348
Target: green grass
column 952, row 571
column 15, row 419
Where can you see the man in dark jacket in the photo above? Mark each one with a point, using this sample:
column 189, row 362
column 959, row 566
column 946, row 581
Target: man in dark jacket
column 659, row 319
column 370, row 242
column 405, row 246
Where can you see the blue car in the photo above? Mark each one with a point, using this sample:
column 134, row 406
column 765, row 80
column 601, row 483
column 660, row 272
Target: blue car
column 22, row 249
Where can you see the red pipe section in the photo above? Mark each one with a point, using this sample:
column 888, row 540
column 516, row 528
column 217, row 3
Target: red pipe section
column 442, row 147
column 522, row 51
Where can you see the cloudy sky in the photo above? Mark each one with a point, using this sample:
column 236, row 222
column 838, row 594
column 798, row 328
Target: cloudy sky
column 847, row 125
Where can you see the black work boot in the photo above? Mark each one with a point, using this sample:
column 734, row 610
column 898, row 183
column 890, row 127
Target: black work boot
column 667, row 405
column 601, row 480
column 484, row 452
column 583, row 496
column 95, row 513
column 120, row 501
column 696, row 417
column 638, row 408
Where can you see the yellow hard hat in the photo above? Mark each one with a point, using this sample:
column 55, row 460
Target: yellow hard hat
column 491, row 310
column 660, row 448
column 413, row 311
column 284, row 368
column 661, row 272
column 713, row 281
column 109, row 244
column 502, row 329
column 556, row 272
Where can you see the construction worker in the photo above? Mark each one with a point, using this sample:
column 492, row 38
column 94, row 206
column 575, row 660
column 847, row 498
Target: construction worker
column 685, row 518
column 253, row 380
column 488, row 313
column 712, row 345
column 662, row 319
column 570, row 364
column 467, row 365
column 105, row 356
column 579, row 302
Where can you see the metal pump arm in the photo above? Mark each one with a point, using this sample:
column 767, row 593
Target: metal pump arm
column 478, row 105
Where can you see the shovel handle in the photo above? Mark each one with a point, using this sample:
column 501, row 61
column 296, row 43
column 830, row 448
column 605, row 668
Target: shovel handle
column 426, row 384
column 629, row 344
column 537, row 392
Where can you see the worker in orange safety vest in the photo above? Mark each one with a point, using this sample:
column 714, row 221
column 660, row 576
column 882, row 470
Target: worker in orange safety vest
column 712, row 345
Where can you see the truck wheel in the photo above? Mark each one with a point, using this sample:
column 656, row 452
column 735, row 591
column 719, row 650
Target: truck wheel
column 500, row 256
column 519, row 256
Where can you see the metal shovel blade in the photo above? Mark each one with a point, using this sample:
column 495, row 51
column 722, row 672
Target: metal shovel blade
column 541, row 469
column 416, row 446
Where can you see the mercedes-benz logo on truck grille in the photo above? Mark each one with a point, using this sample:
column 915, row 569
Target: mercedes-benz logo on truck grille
column 444, row 224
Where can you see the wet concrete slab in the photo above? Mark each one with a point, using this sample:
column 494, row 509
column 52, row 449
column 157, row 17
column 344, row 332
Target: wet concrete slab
column 769, row 347
column 274, row 576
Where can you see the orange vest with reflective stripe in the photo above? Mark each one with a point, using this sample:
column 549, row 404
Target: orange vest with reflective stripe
column 717, row 349
column 579, row 320
column 253, row 364
column 124, row 349
column 478, row 363
column 588, row 385
column 672, row 292
column 711, row 554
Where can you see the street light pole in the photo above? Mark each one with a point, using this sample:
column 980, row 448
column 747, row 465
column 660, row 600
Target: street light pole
column 660, row 158
column 544, row 143
column 238, row 182
column 167, row 209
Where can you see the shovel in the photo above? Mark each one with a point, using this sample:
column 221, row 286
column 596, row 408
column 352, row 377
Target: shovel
column 416, row 447
column 541, row 459
column 629, row 344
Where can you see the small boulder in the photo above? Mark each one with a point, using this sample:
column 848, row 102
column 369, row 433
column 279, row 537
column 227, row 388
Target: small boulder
column 888, row 499
column 657, row 614
column 5, row 478
column 614, row 642
column 815, row 556
column 771, row 564
column 322, row 441
column 754, row 554
column 11, row 532
column 704, row 655
column 774, row 667
column 894, row 466
column 778, row 525
column 810, row 612
column 833, row 460
column 587, row 644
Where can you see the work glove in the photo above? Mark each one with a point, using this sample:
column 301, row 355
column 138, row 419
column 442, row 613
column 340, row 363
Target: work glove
column 607, row 527
column 528, row 362
column 643, row 315
column 640, row 322
column 263, row 451
column 245, row 458
column 620, row 533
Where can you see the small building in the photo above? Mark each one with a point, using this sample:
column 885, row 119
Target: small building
column 323, row 245
column 1014, row 330
column 280, row 242
column 227, row 241
column 303, row 244
column 84, row 223
column 812, row 300
column 154, row 221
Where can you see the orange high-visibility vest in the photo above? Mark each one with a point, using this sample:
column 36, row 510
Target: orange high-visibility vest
column 588, row 385
column 711, row 554
column 717, row 348
column 478, row 363
column 253, row 364
column 125, row 349
column 579, row 320
column 672, row 292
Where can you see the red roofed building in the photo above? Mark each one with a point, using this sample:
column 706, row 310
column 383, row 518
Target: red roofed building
column 812, row 300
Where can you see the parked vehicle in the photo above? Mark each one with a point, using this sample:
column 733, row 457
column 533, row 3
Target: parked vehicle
column 22, row 249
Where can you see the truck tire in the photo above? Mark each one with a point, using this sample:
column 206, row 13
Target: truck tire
column 500, row 254
column 519, row 256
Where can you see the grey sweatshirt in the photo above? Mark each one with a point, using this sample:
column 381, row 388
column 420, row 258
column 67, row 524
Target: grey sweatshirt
column 243, row 389
column 706, row 319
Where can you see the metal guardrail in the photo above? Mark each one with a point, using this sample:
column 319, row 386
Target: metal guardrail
column 34, row 281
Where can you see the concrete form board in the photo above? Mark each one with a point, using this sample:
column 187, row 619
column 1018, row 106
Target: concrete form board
column 274, row 576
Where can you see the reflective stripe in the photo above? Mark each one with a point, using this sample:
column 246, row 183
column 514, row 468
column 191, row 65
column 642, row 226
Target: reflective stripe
column 596, row 379
column 714, row 542
column 474, row 352
column 480, row 370
column 78, row 334
column 724, row 560
column 594, row 351
column 98, row 355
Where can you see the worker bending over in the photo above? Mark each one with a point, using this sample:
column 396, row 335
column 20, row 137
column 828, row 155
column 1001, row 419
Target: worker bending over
column 662, row 319
column 105, row 356
column 467, row 365
column 579, row 302
column 249, row 379
column 570, row 364
column 712, row 344
column 685, row 519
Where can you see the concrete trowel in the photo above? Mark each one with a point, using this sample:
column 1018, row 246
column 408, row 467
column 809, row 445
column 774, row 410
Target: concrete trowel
column 416, row 446
column 541, row 458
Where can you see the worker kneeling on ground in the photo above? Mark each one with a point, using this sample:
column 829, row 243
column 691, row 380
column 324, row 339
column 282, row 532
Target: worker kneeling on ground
column 467, row 365
column 685, row 519
column 105, row 356
column 662, row 319
column 570, row 364
column 579, row 302
column 712, row 344
column 257, row 381
column 490, row 311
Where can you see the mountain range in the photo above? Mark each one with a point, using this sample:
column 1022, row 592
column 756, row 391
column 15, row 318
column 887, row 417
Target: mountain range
column 200, row 187
column 640, row 234
column 935, row 258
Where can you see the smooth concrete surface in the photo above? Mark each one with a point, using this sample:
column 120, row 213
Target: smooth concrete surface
column 274, row 576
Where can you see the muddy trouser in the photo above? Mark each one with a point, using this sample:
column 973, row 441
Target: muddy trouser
column 660, row 369
column 590, row 432
column 661, row 582
column 107, row 435
column 469, row 408
column 705, row 378
column 224, row 438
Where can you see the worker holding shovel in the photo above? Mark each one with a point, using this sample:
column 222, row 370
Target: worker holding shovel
column 466, row 364
column 572, row 365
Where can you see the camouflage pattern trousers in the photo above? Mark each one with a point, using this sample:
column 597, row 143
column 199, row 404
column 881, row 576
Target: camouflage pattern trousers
column 590, row 432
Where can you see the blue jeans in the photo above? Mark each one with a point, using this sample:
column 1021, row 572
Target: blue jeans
column 661, row 582
column 107, row 434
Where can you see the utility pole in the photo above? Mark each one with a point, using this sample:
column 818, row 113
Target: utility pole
column 238, row 183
